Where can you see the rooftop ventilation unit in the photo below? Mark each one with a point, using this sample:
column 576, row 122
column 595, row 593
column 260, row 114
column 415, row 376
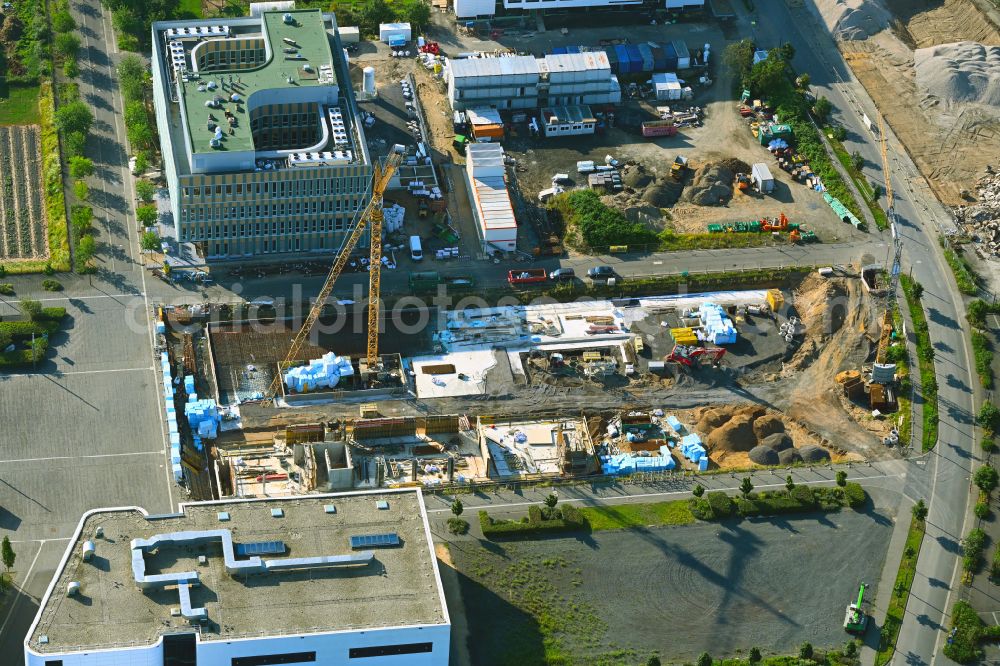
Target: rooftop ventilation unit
column 73, row 589
column 260, row 548
column 288, row 19
column 88, row 551
column 277, row 513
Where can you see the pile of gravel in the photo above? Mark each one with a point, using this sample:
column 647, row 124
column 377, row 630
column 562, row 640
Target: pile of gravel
column 764, row 455
column 735, row 435
column 789, row 456
column 712, row 186
column 852, row 19
column 768, row 425
column 779, row 441
column 813, row 454
column 960, row 72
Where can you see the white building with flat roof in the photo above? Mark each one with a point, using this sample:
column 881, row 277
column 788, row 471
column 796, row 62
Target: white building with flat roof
column 316, row 579
column 491, row 206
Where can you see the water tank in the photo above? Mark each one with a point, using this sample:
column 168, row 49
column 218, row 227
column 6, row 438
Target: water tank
column 73, row 589
column 88, row 551
column 368, row 87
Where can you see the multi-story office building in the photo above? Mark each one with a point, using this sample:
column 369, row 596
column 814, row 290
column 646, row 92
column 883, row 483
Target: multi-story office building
column 314, row 579
column 487, row 8
column 262, row 149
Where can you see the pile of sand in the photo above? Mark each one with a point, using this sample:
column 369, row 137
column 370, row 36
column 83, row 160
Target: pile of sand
column 637, row 177
column 712, row 186
column 756, row 432
column 852, row 19
column 960, row 72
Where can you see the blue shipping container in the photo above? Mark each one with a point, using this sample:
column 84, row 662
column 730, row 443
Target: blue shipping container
column 659, row 60
column 635, row 59
column 646, row 53
column 621, row 57
column 559, row 50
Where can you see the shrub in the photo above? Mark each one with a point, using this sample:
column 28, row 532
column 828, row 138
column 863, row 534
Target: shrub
column 855, row 495
column 746, row 506
column 81, row 167
column 989, row 446
column 982, row 510
column 968, row 632
column 7, row 289
column 972, row 549
column 81, row 190
column 51, row 285
column 986, row 478
column 804, row 495
column 698, row 490
column 565, row 519
column 458, row 525
column 721, row 504
column 596, row 224
column 701, row 509
column 841, row 478
column 31, row 309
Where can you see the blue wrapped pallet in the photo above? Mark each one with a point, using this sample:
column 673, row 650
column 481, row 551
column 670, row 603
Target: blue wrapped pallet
column 671, row 55
column 646, row 53
column 559, row 50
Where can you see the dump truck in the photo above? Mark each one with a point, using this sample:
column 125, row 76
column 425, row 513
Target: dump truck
column 855, row 618
column 657, row 128
column 527, row 276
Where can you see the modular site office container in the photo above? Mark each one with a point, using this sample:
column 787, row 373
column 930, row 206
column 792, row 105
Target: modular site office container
column 659, row 58
column 646, row 53
column 683, row 54
column 621, row 58
column 671, row 54
column 634, row 59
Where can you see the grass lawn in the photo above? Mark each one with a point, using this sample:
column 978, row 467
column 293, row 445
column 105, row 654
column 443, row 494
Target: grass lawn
column 19, row 105
column 881, row 220
column 900, row 593
column 904, row 399
column 677, row 512
column 925, row 360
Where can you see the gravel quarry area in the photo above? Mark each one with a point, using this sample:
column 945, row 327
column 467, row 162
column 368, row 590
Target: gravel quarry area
column 676, row 591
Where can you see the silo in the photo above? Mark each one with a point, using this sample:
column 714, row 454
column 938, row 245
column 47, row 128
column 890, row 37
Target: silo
column 368, row 86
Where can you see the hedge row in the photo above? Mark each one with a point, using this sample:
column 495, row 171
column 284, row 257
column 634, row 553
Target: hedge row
column 717, row 505
column 538, row 521
column 969, row 631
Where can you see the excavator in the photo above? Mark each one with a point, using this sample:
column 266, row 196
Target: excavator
column 370, row 216
column 690, row 356
column 855, row 618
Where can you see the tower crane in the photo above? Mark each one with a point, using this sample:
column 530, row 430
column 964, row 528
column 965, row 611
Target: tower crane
column 371, row 216
column 897, row 247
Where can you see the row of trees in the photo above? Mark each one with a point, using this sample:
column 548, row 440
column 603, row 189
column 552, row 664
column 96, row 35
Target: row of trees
column 67, row 43
column 369, row 14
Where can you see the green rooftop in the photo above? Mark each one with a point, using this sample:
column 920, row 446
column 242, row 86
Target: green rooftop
column 307, row 45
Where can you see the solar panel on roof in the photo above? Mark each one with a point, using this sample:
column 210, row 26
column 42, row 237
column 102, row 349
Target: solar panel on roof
column 374, row 540
column 260, row 548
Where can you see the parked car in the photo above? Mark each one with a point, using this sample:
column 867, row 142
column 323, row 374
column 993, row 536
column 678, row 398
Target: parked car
column 562, row 275
column 601, row 273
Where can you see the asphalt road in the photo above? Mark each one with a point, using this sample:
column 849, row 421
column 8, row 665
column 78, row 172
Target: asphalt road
column 921, row 219
column 81, row 430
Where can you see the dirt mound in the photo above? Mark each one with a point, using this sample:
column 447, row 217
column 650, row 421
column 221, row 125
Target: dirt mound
column 768, row 425
column 712, row 186
column 960, row 72
column 734, row 435
column 852, row 19
column 712, row 419
column 812, row 453
column 661, row 195
column 763, row 455
column 789, row 456
column 637, row 177
column 779, row 441
column 734, row 165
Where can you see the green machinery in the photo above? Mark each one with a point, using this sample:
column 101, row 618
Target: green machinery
column 855, row 618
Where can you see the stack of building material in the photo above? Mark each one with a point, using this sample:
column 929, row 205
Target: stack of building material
column 171, row 412
column 692, row 448
column 684, row 336
column 322, row 372
column 627, row 463
column 203, row 417
column 675, row 423
column 393, row 218
column 719, row 329
column 189, row 384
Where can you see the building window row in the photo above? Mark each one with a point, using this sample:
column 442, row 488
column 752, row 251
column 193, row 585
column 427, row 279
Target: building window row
column 252, row 229
column 244, row 211
column 275, row 659
column 283, row 188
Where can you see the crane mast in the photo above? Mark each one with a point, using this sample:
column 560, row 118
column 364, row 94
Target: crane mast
column 371, row 217
column 897, row 249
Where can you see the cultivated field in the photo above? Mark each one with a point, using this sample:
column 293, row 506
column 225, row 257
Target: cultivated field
column 21, row 211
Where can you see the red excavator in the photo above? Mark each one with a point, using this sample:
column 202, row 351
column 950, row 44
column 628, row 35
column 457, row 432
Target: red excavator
column 691, row 356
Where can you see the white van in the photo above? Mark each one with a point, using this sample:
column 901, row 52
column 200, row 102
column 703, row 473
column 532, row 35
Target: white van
column 416, row 252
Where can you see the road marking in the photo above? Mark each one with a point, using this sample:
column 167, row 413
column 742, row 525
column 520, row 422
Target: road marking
column 77, row 298
column 96, row 455
column 42, row 541
column 24, row 585
column 82, row 372
column 625, row 498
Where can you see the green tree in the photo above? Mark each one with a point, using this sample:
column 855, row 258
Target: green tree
column 986, row 478
column 787, row 52
column 920, row 511
column 841, row 478
column 373, row 13
column 653, row 661
column 822, row 109
column 738, row 57
column 80, row 218
column 67, row 44
column 803, row 80
column 85, row 249
column 698, row 490
column 416, row 12
column 140, row 137
column 146, row 214
column 789, row 483
column 126, row 21
column 142, row 162
column 704, row 659
column 150, row 241
column 81, row 190
column 74, row 118
column 71, row 67
column 754, row 655
column 551, row 500
column 746, row 487
column 987, row 416
column 851, row 649
column 806, row 651
column 857, row 160
column 75, row 143
column 80, row 167
column 31, row 309
column 62, row 21
column 457, row 508
column 132, row 78
column 767, row 75
column 145, row 190
column 839, row 133
column 7, row 553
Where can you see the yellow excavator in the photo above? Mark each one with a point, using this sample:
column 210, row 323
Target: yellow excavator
column 371, row 217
